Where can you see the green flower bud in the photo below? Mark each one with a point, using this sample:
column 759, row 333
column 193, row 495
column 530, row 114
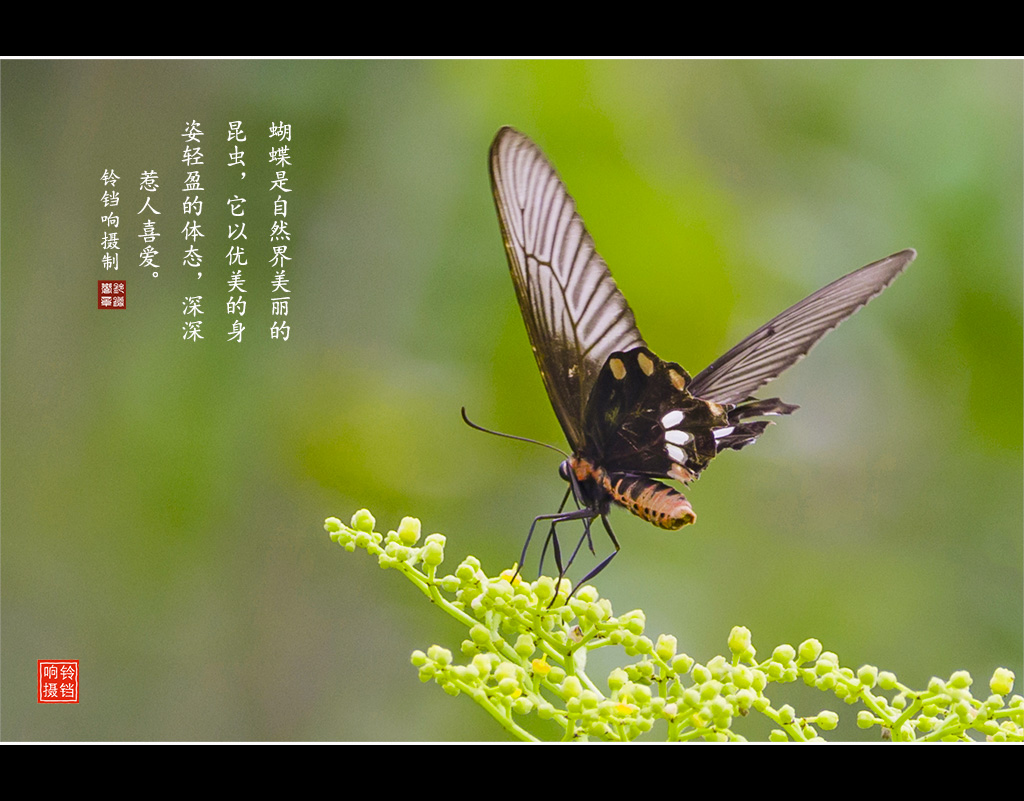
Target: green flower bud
column 525, row 645
column 506, row 670
column 544, row 589
column 778, row 736
column 571, row 687
column 721, row 713
column 701, row 674
column 743, row 678
column 740, row 640
column 865, row 720
column 399, row 553
column 522, row 705
column 809, row 650
column 784, row 654
column 465, row 673
column 587, row 594
column 599, row 729
column 868, row 675
column 480, row 634
column 787, row 714
column 450, row 584
column 720, row 669
column 634, row 621
column 419, row 658
column 1002, row 681
column 363, row 521
column 332, row 525
column 887, row 680
column 641, row 694
column 482, row 665
column 617, row 679
column 960, row 680
column 828, row 719
column 508, row 686
column 451, row 688
column 681, row 664
column 442, row 656
column 433, row 552
column 409, row 530
column 710, row 689
column 363, row 539
column 745, row 700
column 666, row 647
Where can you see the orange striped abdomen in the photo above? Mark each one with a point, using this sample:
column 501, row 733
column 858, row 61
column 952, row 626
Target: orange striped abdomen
column 646, row 498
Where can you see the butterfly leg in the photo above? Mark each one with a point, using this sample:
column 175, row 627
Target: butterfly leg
column 604, row 563
column 526, row 545
column 586, row 515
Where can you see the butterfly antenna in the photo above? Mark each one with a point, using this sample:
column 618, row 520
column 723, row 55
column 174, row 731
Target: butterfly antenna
column 471, row 424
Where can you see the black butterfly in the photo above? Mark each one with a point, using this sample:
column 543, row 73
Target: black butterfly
column 628, row 415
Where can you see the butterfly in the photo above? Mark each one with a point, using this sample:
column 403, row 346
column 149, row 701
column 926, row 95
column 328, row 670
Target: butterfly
column 630, row 417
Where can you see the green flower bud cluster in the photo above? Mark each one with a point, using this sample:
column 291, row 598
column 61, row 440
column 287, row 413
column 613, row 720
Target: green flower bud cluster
column 526, row 650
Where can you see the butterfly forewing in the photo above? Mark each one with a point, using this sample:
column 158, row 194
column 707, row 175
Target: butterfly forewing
column 786, row 339
column 574, row 313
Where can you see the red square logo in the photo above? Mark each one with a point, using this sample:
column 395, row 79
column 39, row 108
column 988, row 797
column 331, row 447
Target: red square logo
column 58, row 681
column 112, row 294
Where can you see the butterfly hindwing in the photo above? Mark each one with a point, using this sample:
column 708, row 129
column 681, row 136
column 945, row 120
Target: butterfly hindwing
column 574, row 313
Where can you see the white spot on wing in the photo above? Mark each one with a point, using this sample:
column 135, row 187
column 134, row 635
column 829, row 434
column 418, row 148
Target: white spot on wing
column 723, row 432
column 678, row 437
column 672, row 419
column 675, row 453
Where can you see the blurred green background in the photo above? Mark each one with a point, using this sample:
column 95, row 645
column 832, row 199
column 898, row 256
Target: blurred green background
column 162, row 502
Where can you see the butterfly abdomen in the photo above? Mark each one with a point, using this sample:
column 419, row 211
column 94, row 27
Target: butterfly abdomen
column 646, row 498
